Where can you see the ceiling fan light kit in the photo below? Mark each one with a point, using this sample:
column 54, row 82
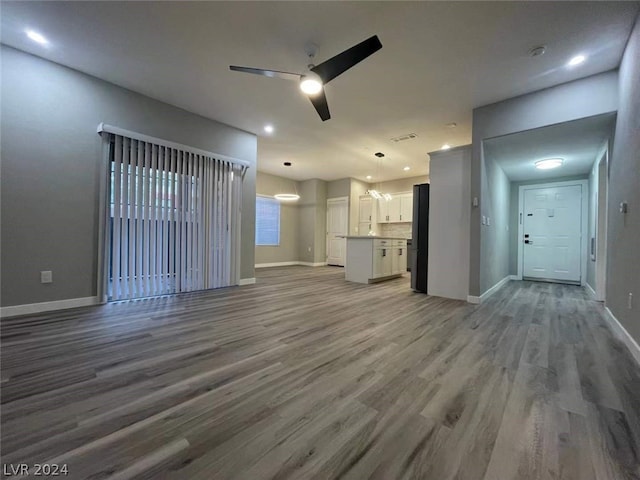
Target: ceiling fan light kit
column 312, row 83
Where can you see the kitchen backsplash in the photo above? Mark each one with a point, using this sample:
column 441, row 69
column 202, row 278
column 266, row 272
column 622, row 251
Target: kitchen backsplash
column 402, row 230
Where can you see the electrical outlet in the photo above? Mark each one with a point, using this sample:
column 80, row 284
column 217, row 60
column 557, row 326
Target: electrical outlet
column 630, row 301
column 308, row 249
column 46, row 276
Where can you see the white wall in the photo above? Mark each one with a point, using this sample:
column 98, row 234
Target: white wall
column 449, row 212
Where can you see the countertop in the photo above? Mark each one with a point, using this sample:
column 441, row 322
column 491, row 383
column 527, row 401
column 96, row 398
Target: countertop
column 372, row 237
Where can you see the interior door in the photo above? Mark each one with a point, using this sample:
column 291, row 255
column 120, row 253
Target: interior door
column 552, row 221
column 337, row 228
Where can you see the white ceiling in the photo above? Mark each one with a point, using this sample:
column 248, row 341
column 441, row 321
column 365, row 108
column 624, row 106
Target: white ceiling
column 578, row 143
column 439, row 60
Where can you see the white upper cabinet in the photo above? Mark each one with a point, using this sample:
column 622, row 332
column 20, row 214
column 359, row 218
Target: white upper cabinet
column 397, row 210
column 406, row 207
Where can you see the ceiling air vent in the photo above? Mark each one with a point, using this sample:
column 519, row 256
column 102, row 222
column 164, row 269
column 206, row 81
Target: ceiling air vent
column 402, row 138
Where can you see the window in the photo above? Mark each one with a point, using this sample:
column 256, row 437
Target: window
column 267, row 221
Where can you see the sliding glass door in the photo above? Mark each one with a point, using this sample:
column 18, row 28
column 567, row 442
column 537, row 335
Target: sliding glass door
column 173, row 222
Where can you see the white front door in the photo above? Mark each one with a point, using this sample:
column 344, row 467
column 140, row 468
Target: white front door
column 337, row 227
column 552, row 226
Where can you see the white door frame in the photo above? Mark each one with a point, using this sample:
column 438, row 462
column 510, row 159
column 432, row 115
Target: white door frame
column 602, row 181
column 330, row 201
column 583, row 222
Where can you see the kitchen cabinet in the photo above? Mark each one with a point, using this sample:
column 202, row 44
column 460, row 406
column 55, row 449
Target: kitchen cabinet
column 396, row 210
column 366, row 209
column 406, row 207
column 373, row 259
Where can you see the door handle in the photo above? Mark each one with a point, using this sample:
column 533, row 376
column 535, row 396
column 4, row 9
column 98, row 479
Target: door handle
column 400, row 252
column 384, row 252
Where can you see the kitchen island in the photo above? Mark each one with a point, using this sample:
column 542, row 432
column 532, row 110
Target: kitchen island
column 373, row 259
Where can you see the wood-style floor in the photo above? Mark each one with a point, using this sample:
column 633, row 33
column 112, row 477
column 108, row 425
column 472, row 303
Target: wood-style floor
column 306, row 376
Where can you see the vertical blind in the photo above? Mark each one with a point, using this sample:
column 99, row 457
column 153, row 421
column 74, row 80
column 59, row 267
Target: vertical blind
column 174, row 223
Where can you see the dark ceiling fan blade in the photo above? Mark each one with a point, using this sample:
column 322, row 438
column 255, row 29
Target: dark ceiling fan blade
column 319, row 101
column 342, row 62
column 267, row 73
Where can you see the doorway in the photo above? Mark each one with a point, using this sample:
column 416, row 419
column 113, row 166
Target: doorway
column 552, row 232
column 337, row 228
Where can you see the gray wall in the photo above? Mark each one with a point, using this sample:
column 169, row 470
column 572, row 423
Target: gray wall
column 514, row 212
column 495, row 245
column 582, row 98
column 312, row 221
column 449, row 211
column 50, row 159
column 401, row 184
column 623, row 258
column 287, row 251
column 339, row 188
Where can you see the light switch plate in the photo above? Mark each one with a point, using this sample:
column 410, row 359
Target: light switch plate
column 46, row 276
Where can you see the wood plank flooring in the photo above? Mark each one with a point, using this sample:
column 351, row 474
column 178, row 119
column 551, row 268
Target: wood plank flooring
column 306, row 376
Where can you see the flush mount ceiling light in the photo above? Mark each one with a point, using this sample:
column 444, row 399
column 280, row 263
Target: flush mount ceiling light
column 369, row 177
column 287, row 197
column 268, row 128
column 36, row 37
column 446, row 146
column 577, row 60
column 548, row 163
column 406, row 169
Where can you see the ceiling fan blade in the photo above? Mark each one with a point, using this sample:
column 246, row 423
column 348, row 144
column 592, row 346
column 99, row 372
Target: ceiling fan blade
column 342, row 62
column 319, row 101
column 267, row 73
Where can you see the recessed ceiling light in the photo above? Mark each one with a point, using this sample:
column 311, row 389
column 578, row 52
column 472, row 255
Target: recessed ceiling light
column 268, row 128
column 548, row 163
column 451, row 125
column 406, row 169
column 446, row 146
column 369, row 177
column 36, row 37
column 577, row 60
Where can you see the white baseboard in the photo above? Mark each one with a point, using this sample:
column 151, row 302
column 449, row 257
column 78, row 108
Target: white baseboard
column 275, row 264
column 488, row 293
column 591, row 291
column 247, row 281
column 623, row 335
column 30, row 308
column 288, row 264
column 514, row 277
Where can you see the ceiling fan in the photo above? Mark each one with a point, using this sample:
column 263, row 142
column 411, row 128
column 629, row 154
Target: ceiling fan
column 312, row 83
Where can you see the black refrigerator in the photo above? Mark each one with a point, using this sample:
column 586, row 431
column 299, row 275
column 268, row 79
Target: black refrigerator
column 420, row 238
